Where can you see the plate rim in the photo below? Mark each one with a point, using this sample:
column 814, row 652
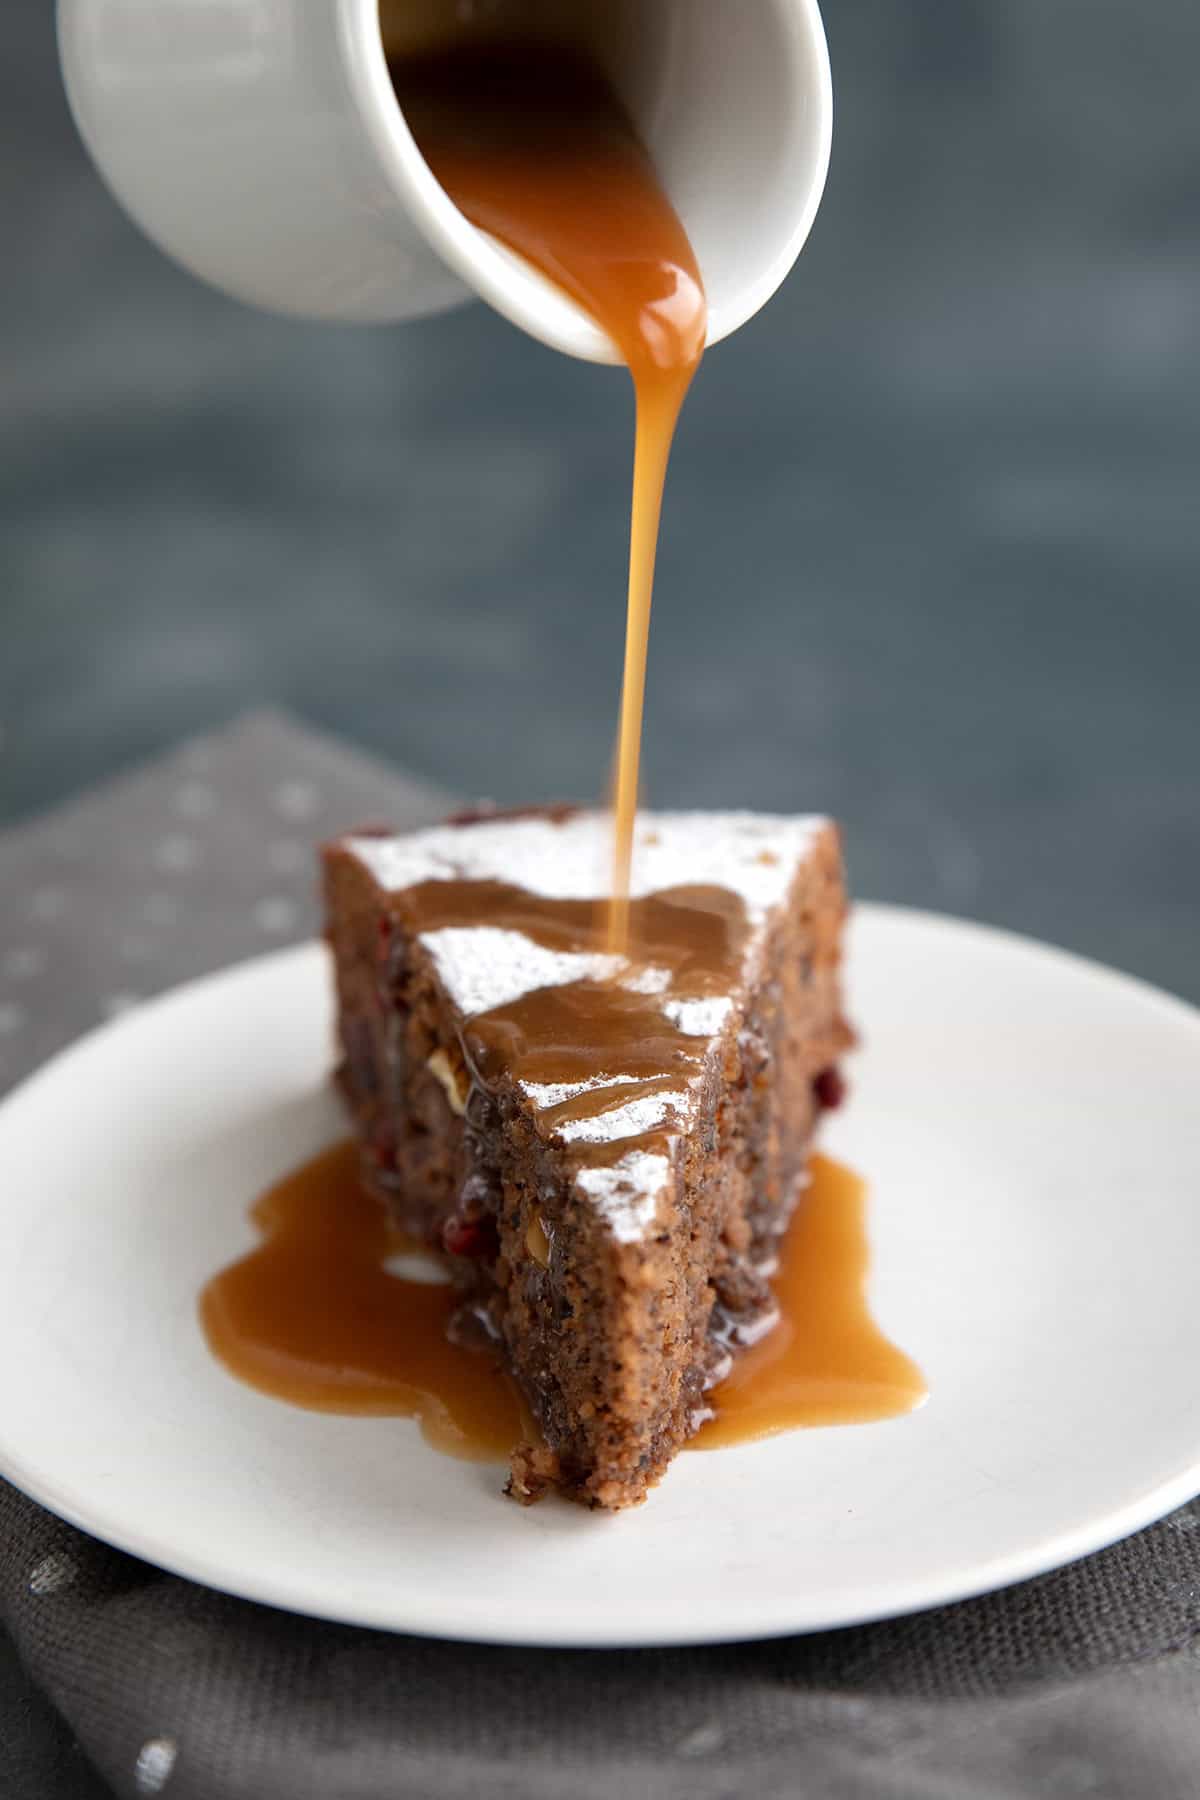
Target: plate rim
column 885, row 1600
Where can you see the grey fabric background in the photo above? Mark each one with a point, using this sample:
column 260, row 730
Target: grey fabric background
column 1085, row 1683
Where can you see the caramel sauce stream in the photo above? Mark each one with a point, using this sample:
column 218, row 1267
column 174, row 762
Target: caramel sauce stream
column 533, row 146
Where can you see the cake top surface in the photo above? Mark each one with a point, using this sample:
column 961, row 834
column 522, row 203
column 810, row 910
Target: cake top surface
column 609, row 1051
column 754, row 855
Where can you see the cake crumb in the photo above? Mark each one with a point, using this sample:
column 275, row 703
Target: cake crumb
column 535, row 1471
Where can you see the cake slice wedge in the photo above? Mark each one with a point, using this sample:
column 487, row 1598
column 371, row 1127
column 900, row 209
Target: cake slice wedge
column 607, row 1146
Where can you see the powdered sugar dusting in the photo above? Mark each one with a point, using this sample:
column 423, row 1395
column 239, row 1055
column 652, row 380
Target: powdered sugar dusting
column 648, row 981
column 698, row 1018
column 571, row 859
column 545, row 1094
column 482, row 967
column 629, row 1120
column 626, row 1195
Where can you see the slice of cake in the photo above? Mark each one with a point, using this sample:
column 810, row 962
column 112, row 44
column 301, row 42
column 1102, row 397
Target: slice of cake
column 606, row 1146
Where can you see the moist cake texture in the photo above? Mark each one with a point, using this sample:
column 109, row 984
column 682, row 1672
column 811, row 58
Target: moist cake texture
column 605, row 1147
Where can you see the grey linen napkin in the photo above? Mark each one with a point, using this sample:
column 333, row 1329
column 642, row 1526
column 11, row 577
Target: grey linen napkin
column 1084, row 1683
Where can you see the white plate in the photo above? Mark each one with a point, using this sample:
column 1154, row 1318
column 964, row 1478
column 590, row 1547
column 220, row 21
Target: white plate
column 1031, row 1130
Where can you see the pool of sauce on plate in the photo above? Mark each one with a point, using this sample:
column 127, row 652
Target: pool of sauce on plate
column 826, row 1362
column 315, row 1316
column 533, row 145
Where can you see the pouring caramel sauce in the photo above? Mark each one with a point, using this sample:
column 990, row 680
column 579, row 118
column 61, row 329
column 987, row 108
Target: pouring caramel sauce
column 533, row 145
column 315, row 1316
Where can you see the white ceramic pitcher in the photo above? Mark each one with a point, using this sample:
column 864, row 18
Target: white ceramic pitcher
column 259, row 143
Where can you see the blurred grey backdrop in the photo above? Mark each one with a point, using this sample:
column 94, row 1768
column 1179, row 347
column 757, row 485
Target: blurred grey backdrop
column 932, row 539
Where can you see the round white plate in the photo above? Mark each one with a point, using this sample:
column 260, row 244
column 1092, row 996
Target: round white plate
column 1030, row 1127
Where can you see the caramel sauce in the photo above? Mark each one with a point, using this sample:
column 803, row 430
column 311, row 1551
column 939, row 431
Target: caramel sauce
column 313, row 1317
column 598, row 1034
column 533, row 146
column 826, row 1362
